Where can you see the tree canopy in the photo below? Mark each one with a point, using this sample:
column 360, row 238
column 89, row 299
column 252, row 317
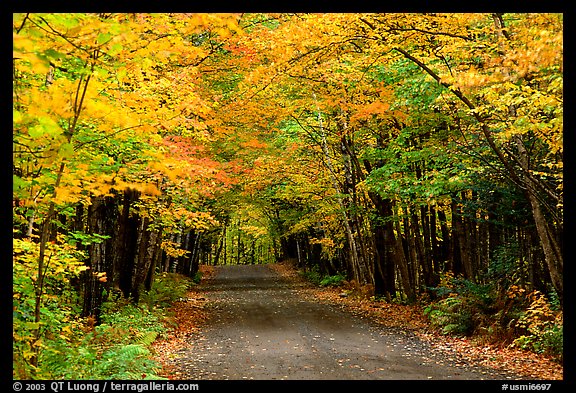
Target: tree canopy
column 394, row 148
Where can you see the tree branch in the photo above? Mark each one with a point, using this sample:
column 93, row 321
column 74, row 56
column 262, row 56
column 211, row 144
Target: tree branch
column 485, row 129
column 22, row 24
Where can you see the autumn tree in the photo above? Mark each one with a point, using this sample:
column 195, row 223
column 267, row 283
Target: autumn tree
column 97, row 163
column 352, row 84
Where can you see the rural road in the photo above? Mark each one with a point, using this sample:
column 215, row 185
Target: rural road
column 261, row 328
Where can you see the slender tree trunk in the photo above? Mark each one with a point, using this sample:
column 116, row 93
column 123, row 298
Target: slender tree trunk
column 126, row 243
column 220, row 246
column 42, row 268
column 460, row 232
column 194, row 255
column 155, row 262
column 437, row 255
column 446, row 246
column 402, row 264
column 552, row 252
column 482, row 241
column 455, row 249
column 421, row 253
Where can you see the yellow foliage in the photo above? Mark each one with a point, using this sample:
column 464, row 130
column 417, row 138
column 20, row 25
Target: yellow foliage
column 173, row 249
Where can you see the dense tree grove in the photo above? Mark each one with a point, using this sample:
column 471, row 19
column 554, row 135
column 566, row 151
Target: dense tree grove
column 397, row 149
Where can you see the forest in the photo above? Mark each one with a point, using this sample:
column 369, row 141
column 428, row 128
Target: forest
column 419, row 156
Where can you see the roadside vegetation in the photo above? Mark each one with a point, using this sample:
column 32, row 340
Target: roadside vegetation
column 118, row 347
column 531, row 321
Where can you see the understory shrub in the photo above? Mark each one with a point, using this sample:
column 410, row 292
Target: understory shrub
column 334, row 280
column 464, row 305
column 313, row 275
column 541, row 326
column 452, row 315
column 167, row 288
column 118, row 347
column 515, row 317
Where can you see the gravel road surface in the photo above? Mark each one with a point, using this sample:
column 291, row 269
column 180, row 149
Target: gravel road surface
column 261, row 328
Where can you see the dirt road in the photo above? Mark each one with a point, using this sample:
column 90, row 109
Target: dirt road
column 261, row 328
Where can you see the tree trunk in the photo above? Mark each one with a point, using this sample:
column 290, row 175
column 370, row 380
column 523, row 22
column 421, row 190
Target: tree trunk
column 552, row 252
column 147, row 243
column 101, row 221
column 402, row 264
column 125, row 242
column 194, row 248
column 220, row 245
column 447, row 257
column 459, row 231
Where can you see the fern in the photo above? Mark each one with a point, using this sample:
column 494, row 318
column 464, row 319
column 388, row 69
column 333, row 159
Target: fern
column 145, row 338
column 127, row 352
column 121, row 361
column 335, row 280
column 452, row 315
column 118, row 348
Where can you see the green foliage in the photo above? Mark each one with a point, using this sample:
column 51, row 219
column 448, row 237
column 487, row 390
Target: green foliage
column 197, row 277
column 167, row 288
column 60, row 303
column 528, row 321
column 127, row 362
column 124, row 323
column 466, row 307
column 452, row 315
column 549, row 341
column 314, row 276
column 86, row 239
column 332, row 281
column 503, row 266
column 117, row 348
column 554, row 300
column 542, row 327
column 95, row 360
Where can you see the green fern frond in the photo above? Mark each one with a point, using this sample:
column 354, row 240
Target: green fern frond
column 145, row 338
column 131, row 351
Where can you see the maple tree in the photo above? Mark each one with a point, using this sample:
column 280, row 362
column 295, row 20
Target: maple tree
column 334, row 64
column 393, row 148
column 92, row 162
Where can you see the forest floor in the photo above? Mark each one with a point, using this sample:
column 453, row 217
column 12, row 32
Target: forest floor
column 267, row 322
column 411, row 318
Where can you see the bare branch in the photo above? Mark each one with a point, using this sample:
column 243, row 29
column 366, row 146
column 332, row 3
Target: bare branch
column 18, row 30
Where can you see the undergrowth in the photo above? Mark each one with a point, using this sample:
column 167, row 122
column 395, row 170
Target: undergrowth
column 314, row 276
column 494, row 311
column 117, row 348
column 511, row 316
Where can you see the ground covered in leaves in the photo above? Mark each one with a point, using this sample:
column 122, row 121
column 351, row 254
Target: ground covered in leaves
column 188, row 315
column 411, row 317
column 185, row 318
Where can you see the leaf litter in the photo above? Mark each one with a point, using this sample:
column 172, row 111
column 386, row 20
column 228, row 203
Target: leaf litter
column 411, row 318
column 187, row 317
